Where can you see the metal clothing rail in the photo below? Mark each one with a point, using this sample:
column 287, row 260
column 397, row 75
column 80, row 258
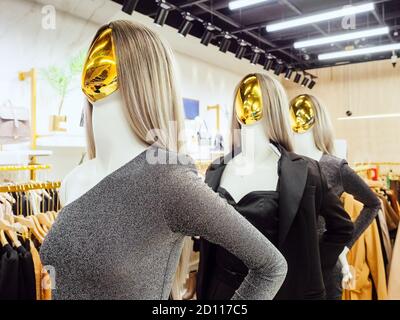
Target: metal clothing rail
column 30, row 186
column 29, row 167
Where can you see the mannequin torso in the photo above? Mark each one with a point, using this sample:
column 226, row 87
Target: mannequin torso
column 116, row 144
column 255, row 168
column 304, row 144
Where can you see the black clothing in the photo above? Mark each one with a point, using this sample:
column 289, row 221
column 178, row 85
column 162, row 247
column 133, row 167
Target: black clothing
column 303, row 196
column 8, row 273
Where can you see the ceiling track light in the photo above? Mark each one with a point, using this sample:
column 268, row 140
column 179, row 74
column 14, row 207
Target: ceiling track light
column 297, row 77
column 208, row 33
column 288, row 73
column 225, row 42
column 162, row 12
column 186, row 25
column 323, row 16
column 278, row 68
column 238, row 4
column 241, row 50
column 129, row 6
column 358, row 52
column 305, row 81
column 256, row 55
column 311, row 84
column 269, row 62
column 342, row 37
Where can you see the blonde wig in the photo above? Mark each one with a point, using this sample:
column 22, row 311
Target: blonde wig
column 323, row 129
column 276, row 113
column 152, row 104
column 146, row 80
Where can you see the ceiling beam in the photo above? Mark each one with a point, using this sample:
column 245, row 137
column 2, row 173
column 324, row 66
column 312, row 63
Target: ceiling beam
column 381, row 23
column 249, row 33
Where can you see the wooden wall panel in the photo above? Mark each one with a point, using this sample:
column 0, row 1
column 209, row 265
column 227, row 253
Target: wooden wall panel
column 364, row 89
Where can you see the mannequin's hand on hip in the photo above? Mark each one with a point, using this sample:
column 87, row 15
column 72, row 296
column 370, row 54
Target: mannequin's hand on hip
column 346, row 273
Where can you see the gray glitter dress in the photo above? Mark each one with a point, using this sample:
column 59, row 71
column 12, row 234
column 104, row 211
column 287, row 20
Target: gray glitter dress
column 341, row 178
column 122, row 239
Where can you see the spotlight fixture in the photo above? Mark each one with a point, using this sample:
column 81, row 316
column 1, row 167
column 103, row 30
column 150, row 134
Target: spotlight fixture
column 278, row 68
column 129, row 6
column 311, row 84
column 324, row 16
column 162, row 12
column 297, row 77
column 288, row 73
column 269, row 62
column 225, row 42
column 255, row 57
column 241, row 50
column 305, row 82
column 208, row 33
column 187, row 24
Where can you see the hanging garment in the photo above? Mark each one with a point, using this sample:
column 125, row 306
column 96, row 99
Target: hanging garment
column 122, row 239
column 26, row 277
column 394, row 273
column 9, row 272
column 392, row 219
column 385, row 236
column 303, row 195
column 366, row 258
column 341, row 178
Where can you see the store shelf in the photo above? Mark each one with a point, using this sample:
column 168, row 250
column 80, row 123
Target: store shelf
column 11, row 157
column 61, row 141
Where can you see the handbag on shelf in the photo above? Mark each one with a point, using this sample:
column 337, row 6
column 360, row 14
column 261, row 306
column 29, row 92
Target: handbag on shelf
column 14, row 124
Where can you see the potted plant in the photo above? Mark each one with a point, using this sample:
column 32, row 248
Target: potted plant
column 60, row 79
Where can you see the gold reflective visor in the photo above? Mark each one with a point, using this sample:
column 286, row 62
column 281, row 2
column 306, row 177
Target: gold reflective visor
column 302, row 113
column 99, row 77
column 248, row 101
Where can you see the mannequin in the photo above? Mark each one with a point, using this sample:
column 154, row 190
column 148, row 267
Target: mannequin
column 304, row 144
column 314, row 138
column 112, row 150
column 120, row 234
column 256, row 167
column 265, row 182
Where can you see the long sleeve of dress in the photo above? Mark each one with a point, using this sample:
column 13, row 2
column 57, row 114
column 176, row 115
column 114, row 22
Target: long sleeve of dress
column 354, row 185
column 197, row 210
column 339, row 228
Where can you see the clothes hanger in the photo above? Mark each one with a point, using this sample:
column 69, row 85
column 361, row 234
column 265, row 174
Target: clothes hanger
column 32, row 210
column 10, row 231
column 8, row 197
column 3, row 239
column 42, row 218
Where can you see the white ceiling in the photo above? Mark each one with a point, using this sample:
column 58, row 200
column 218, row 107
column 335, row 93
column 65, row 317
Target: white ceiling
column 103, row 11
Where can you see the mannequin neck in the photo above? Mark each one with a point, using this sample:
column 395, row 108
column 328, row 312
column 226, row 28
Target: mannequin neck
column 255, row 145
column 116, row 143
column 305, row 145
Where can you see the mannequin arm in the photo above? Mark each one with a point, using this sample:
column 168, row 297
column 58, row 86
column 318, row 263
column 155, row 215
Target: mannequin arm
column 196, row 210
column 355, row 185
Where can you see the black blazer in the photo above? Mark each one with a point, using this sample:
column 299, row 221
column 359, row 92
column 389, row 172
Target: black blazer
column 303, row 196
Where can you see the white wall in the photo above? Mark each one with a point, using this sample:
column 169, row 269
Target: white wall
column 27, row 44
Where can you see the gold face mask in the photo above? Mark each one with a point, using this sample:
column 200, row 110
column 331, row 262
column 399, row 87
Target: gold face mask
column 99, row 77
column 302, row 113
column 248, row 101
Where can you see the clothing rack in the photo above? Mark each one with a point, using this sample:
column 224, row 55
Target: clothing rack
column 30, row 186
column 29, row 167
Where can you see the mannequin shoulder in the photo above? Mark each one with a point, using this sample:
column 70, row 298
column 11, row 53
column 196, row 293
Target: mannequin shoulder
column 77, row 181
